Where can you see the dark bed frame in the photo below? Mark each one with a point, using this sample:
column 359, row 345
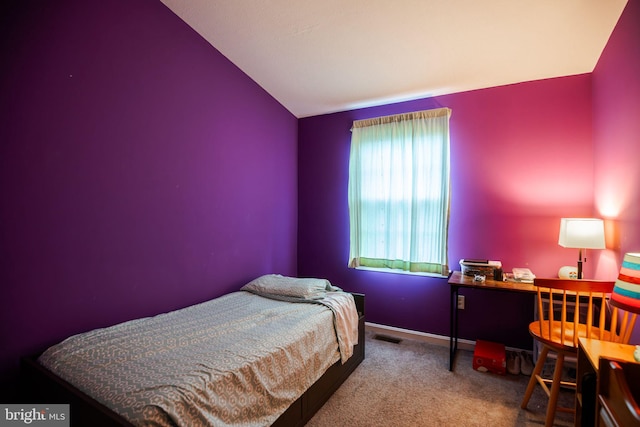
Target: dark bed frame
column 39, row 385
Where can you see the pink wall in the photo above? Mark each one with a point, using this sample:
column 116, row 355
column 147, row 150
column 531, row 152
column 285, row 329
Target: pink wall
column 521, row 159
column 616, row 110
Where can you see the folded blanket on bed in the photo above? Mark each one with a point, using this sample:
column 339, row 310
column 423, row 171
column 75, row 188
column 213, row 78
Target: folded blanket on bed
column 314, row 291
column 345, row 320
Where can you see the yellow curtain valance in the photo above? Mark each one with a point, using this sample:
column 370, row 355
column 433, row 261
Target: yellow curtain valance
column 425, row 114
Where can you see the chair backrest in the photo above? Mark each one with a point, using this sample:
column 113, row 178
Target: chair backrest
column 588, row 300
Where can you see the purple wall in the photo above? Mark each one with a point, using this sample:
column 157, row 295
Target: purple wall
column 140, row 171
column 616, row 111
column 521, row 159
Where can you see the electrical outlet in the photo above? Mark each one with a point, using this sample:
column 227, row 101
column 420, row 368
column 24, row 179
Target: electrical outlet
column 460, row 302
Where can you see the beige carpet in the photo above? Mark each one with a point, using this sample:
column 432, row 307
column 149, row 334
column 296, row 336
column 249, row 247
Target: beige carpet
column 409, row 384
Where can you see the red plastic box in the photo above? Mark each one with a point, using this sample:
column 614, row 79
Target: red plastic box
column 490, row 357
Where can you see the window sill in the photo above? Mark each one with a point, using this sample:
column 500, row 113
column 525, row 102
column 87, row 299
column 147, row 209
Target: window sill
column 395, row 271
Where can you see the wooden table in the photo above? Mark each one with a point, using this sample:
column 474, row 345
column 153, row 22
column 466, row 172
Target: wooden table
column 459, row 280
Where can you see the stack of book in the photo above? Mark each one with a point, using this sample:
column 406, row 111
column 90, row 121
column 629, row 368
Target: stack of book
column 523, row 275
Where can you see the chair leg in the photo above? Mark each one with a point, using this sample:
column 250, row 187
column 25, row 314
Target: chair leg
column 533, row 380
column 555, row 391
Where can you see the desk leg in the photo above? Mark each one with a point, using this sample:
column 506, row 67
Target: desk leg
column 453, row 326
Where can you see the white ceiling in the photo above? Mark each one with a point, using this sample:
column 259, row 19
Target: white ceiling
column 323, row 56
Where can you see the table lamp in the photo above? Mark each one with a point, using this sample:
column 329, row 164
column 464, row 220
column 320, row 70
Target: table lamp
column 581, row 233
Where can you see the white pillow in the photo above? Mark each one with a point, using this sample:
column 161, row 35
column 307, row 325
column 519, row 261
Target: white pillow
column 275, row 284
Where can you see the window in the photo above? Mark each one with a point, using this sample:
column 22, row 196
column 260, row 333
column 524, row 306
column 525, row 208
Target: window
column 399, row 192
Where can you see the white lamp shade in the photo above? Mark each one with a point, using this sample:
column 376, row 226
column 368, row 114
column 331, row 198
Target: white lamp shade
column 582, row 233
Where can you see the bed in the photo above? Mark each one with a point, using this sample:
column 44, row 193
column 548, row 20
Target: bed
column 269, row 354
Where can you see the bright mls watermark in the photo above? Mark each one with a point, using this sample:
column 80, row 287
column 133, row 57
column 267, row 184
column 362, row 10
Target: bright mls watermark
column 34, row 415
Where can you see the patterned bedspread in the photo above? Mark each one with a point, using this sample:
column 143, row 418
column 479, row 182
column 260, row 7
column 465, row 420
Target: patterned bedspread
column 238, row 360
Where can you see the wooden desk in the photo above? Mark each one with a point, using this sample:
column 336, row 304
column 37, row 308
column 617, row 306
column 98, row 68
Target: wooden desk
column 457, row 281
column 589, row 353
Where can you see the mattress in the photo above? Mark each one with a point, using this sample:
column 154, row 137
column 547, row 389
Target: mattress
column 238, row 360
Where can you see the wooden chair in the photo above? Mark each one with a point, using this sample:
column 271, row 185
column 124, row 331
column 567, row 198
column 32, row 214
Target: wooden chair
column 558, row 330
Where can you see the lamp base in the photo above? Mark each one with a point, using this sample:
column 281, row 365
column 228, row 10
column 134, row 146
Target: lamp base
column 568, row 272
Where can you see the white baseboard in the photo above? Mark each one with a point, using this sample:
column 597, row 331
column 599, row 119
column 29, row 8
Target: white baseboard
column 401, row 333
column 392, row 331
